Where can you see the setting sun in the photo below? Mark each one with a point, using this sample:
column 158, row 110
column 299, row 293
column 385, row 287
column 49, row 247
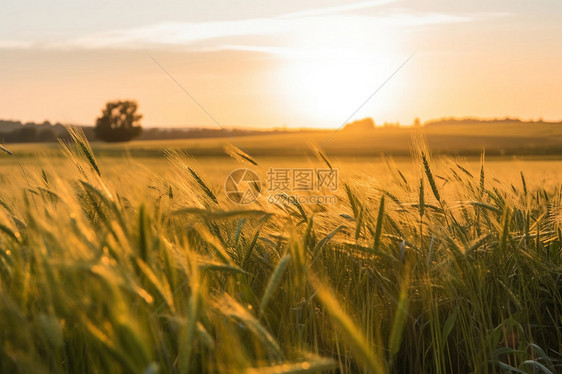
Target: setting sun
column 329, row 86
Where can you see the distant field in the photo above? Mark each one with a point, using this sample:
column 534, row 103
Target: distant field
column 498, row 139
column 128, row 171
column 511, row 148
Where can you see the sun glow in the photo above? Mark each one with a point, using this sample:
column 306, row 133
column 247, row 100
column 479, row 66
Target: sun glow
column 330, row 86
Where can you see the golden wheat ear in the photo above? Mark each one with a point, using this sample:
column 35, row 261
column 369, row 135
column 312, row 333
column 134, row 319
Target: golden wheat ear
column 239, row 155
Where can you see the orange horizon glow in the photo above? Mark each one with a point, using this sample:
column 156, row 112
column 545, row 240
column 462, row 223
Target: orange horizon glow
column 299, row 66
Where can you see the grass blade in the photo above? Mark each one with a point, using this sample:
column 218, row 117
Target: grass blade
column 274, row 281
column 355, row 338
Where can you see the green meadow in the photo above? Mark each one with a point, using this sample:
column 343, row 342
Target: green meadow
column 131, row 258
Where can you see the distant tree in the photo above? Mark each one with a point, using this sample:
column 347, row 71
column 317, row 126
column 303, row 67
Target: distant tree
column 417, row 122
column 119, row 122
column 27, row 133
column 365, row 124
column 46, row 135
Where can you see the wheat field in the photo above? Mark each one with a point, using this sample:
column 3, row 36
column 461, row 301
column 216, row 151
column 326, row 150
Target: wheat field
column 143, row 266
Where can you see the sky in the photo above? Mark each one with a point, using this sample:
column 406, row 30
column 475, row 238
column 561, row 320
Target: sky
column 263, row 64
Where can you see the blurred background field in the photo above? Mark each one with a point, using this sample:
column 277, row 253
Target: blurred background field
column 354, row 155
column 126, row 170
column 458, row 137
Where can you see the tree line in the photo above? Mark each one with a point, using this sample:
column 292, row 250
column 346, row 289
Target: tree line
column 120, row 122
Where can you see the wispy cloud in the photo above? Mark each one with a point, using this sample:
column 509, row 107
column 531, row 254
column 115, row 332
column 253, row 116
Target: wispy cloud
column 283, row 51
column 405, row 19
column 177, row 33
column 313, row 24
column 186, row 34
column 15, row 44
column 339, row 9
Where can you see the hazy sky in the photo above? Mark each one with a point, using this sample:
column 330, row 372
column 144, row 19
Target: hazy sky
column 271, row 63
